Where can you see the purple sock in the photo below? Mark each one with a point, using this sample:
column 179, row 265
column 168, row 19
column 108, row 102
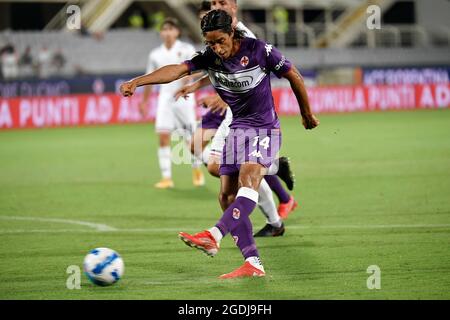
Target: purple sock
column 275, row 185
column 236, row 221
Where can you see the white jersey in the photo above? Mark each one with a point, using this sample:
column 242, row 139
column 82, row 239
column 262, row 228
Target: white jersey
column 248, row 32
column 161, row 56
column 10, row 66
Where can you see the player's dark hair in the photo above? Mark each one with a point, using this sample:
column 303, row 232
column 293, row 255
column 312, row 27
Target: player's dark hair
column 220, row 20
column 171, row 22
column 204, row 6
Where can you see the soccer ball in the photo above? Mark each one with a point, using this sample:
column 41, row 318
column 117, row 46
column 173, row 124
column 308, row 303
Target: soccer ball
column 103, row 266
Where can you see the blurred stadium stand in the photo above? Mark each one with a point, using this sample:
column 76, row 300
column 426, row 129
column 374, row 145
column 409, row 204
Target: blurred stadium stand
column 112, row 53
column 314, row 34
column 52, row 76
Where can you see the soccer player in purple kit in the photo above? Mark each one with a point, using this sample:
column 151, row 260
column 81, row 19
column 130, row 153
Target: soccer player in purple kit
column 239, row 69
column 214, row 121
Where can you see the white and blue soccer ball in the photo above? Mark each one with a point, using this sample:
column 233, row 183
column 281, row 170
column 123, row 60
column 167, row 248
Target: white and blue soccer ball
column 103, row 266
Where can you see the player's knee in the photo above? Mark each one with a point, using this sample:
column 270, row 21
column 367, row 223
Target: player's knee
column 246, row 181
column 250, row 177
column 164, row 139
column 213, row 169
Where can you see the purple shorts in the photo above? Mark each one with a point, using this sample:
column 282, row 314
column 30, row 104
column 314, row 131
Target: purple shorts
column 211, row 120
column 249, row 145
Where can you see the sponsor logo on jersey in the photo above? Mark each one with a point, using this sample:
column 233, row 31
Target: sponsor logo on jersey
column 244, row 61
column 242, row 81
column 269, row 48
column 236, row 213
column 281, row 63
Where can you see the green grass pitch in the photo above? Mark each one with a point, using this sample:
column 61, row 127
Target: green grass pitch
column 373, row 188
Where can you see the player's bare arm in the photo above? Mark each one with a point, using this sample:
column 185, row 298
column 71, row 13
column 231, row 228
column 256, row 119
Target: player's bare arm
column 191, row 88
column 214, row 102
column 163, row 75
column 144, row 103
column 204, row 81
column 298, row 87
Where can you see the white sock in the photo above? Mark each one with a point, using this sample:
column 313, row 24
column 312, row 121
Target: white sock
column 215, row 232
column 273, row 169
column 199, row 159
column 248, row 193
column 165, row 162
column 205, row 154
column 196, row 162
column 256, row 262
column 267, row 204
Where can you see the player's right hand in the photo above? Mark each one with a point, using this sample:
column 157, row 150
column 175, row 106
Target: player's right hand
column 127, row 88
column 184, row 92
column 310, row 121
column 215, row 103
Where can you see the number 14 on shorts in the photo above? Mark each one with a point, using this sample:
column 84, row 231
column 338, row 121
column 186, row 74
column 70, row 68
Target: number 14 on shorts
column 264, row 142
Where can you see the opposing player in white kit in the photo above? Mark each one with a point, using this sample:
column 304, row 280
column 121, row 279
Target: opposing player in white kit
column 171, row 115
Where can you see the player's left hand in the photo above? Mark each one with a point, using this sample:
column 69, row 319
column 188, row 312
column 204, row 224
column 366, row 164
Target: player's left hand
column 310, row 121
column 127, row 88
column 215, row 103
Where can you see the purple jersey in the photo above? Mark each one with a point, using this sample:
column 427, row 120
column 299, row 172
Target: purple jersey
column 243, row 81
column 212, row 120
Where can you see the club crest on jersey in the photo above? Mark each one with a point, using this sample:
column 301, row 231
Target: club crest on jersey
column 236, row 213
column 218, row 62
column 244, row 61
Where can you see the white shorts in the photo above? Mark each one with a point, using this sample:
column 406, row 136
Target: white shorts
column 174, row 115
column 218, row 142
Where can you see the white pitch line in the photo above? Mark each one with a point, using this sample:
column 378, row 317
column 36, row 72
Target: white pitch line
column 176, row 230
column 22, row 231
column 96, row 226
column 374, row 226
